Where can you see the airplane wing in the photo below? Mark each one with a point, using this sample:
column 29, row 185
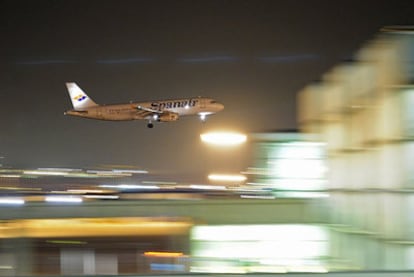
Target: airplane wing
column 157, row 115
column 151, row 111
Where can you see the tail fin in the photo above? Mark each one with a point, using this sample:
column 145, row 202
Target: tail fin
column 80, row 100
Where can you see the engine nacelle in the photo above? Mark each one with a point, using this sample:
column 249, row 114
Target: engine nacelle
column 166, row 117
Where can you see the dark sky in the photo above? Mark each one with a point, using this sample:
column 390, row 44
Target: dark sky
column 253, row 56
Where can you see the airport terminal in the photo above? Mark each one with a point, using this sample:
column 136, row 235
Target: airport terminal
column 334, row 196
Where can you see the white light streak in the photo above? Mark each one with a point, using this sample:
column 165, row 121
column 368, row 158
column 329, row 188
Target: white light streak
column 159, row 182
column 86, row 191
column 132, row 171
column 223, row 138
column 10, row 176
column 226, row 178
column 60, row 169
column 11, row 201
column 126, row 186
column 63, row 199
column 45, row 173
column 108, row 173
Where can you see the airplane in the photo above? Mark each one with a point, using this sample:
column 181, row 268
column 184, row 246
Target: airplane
column 152, row 111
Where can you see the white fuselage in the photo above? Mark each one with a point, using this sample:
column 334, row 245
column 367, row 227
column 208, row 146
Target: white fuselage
column 139, row 110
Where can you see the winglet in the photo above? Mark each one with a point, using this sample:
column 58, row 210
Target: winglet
column 80, row 100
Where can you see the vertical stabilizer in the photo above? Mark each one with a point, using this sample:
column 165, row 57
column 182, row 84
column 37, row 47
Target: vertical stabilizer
column 80, row 100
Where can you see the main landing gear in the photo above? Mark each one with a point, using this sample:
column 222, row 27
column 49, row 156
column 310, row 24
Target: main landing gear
column 154, row 117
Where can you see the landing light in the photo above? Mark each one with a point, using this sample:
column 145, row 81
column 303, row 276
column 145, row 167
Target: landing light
column 223, row 138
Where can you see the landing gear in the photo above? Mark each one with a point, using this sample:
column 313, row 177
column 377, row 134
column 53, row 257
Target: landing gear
column 154, row 117
column 203, row 117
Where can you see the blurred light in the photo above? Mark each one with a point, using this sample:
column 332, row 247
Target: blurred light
column 163, row 254
column 268, row 269
column 167, row 267
column 132, row 171
column 11, row 201
column 108, row 173
column 226, row 178
column 399, row 29
column 63, row 199
column 20, row 188
column 202, row 116
column 208, row 187
column 60, row 192
column 257, row 196
column 219, row 269
column 159, row 182
column 273, row 245
column 60, row 169
column 261, row 232
column 126, row 186
column 45, row 172
column 302, row 194
column 9, row 176
column 309, row 269
column 255, row 171
column 298, row 169
column 101, row 196
column 86, row 191
column 223, row 138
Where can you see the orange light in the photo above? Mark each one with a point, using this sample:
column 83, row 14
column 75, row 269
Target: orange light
column 164, row 254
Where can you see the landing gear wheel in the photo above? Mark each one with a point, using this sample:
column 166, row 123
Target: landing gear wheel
column 150, row 125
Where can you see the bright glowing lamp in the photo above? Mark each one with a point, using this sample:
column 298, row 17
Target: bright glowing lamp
column 226, row 178
column 11, row 201
column 223, row 138
column 63, row 199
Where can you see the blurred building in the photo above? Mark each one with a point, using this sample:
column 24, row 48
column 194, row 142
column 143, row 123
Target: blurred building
column 290, row 164
column 363, row 111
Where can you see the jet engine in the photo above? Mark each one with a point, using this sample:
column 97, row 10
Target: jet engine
column 167, row 116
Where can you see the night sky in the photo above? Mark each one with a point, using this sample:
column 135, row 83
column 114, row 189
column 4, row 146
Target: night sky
column 253, row 56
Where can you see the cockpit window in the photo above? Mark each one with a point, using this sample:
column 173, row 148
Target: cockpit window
column 213, row 102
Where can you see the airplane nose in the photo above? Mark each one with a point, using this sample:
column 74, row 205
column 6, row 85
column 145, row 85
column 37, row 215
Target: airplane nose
column 219, row 106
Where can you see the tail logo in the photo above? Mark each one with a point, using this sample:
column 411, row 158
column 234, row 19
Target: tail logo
column 80, row 97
